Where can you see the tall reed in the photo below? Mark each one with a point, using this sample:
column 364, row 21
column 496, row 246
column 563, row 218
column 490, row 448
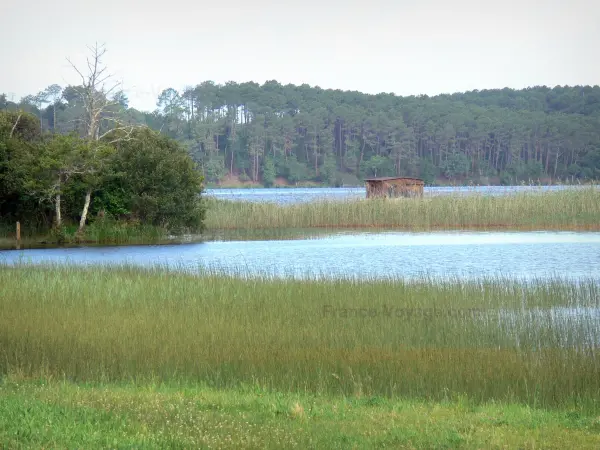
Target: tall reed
column 100, row 232
column 577, row 209
column 494, row 339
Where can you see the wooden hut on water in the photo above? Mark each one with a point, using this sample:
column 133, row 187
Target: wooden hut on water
column 394, row 187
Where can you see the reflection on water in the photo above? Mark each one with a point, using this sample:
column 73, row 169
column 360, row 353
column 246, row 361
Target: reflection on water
column 299, row 195
column 360, row 255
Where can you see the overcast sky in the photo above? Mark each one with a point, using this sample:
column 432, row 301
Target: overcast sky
column 405, row 47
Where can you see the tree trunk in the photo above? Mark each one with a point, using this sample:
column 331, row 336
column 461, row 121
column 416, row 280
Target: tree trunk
column 57, row 218
column 86, row 205
column 15, row 125
column 362, row 153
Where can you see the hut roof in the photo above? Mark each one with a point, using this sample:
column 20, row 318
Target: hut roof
column 392, row 178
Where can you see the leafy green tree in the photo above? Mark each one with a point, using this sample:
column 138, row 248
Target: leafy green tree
column 268, row 172
column 375, row 166
column 56, row 162
column 161, row 181
column 427, row 171
column 591, row 164
column 53, row 94
column 296, row 171
column 329, row 170
column 171, row 106
column 214, row 167
column 456, row 165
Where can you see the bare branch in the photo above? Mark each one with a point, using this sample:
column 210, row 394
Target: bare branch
column 93, row 92
column 112, row 89
column 116, row 120
column 129, row 129
column 77, row 70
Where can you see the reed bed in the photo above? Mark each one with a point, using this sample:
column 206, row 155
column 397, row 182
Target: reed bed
column 494, row 339
column 571, row 209
column 107, row 232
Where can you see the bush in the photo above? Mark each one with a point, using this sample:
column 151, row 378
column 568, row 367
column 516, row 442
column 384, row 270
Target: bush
column 161, row 181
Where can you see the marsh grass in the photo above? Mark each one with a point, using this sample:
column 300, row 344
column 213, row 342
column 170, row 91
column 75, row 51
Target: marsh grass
column 570, row 209
column 114, row 232
column 127, row 324
column 100, row 233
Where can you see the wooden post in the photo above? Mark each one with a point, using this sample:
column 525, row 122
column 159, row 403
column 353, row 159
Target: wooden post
column 18, row 235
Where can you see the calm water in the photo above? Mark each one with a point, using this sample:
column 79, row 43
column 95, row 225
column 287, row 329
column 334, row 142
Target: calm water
column 297, row 195
column 360, row 255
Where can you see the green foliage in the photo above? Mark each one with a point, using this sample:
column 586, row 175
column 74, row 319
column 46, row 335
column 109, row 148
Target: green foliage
column 328, row 172
column 295, row 171
column 268, row 172
column 427, row 171
column 140, row 176
column 18, row 157
column 24, row 126
column 309, row 131
column 58, row 234
column 522, row 171
column 456, row 165
column 591, row 164
column 377, row 166
column 233, row 127
column 161, row 180
column 214, row 168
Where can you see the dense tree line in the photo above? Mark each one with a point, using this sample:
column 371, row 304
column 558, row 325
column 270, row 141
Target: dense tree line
column 303, row 133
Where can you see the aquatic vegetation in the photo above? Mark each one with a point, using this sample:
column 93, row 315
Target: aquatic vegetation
column 576, row 209
column 494, row 339
column 108, row 232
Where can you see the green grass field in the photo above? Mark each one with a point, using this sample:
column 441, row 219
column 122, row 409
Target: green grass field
column 61, row 414
column 577, row 209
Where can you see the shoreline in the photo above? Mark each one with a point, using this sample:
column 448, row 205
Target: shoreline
column 563, row 210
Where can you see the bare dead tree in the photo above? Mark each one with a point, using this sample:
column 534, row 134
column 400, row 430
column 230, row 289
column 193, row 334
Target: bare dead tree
column 97, row 93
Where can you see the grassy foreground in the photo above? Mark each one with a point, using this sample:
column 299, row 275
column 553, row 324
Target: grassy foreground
column 576, row 209
column 58, row 414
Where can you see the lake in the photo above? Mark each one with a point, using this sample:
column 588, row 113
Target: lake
column 468, row 255
column 298, row 195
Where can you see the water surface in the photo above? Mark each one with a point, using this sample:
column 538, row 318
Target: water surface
column 299, row 195
column 468, row 255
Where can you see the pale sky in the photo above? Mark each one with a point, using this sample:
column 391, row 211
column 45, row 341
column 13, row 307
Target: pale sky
column 406, row 47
